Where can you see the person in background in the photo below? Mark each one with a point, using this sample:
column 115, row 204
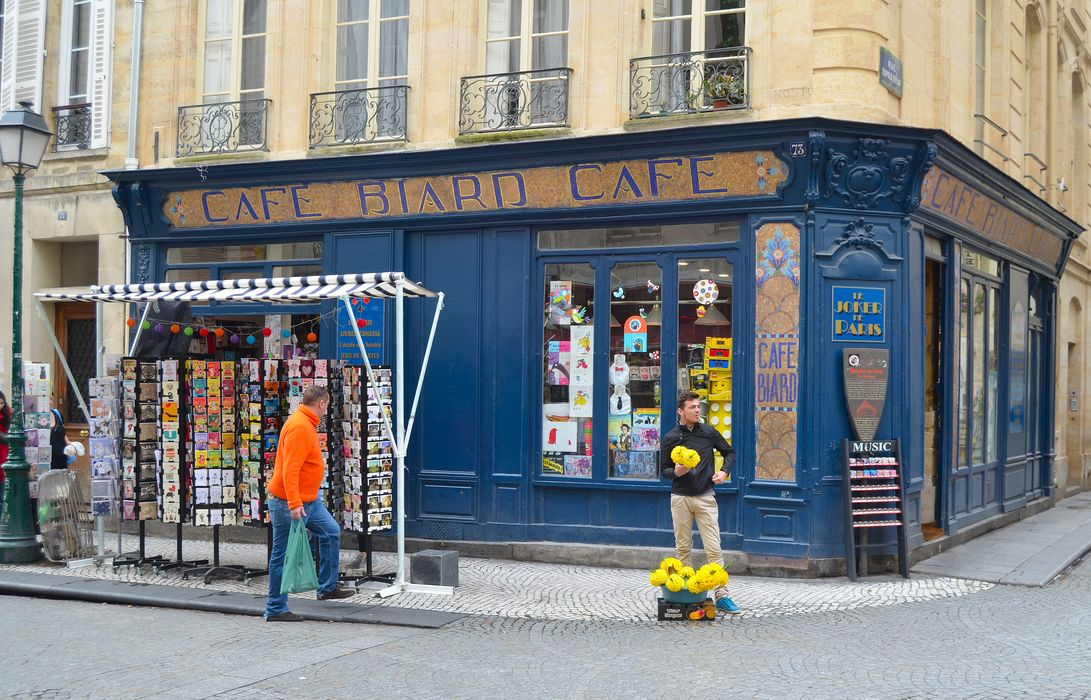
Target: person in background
column 294, row 494
column 5, row 427
column 692, row 493
column 58, row 440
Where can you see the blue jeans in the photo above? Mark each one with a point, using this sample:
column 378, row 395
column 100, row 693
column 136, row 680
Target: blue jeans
column 323, row 527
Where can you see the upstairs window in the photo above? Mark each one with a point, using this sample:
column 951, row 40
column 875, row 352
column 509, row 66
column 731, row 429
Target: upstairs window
column 372, row 39
column 526, row 35
column 234, row 51
column 683, row 26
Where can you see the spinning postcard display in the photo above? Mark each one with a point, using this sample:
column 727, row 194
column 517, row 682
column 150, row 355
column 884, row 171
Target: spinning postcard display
column 104, row 393
column 211, row 434
column 139, row 439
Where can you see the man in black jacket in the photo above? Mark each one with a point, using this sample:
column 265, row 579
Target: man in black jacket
column 692, row 494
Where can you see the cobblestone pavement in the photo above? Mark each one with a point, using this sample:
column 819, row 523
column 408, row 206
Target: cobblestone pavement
column 551, row 591
column 1000, row 642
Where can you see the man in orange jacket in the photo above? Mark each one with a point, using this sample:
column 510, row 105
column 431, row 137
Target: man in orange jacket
column 293, row 494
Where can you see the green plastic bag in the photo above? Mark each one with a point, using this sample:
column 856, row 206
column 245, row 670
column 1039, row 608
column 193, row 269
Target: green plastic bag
column 299, row 572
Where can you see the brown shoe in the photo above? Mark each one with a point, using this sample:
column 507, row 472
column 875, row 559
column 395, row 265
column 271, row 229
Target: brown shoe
column 337, row 594
column 284, row 617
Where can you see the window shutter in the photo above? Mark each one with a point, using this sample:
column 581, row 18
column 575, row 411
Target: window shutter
column 102, row 24
column 7, row 71
column 29, row 46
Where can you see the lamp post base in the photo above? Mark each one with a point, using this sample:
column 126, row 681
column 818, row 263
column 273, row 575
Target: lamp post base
column 21, row 551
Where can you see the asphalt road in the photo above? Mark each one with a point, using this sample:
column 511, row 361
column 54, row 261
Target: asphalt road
column 1004, row 642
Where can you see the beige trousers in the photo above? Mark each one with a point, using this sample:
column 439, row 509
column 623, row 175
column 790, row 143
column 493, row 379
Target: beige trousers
column 703, row 509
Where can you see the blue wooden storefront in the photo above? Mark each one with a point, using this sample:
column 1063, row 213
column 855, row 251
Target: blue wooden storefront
column 852, row 191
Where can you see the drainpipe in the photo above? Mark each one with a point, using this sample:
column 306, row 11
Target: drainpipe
column 131, row 163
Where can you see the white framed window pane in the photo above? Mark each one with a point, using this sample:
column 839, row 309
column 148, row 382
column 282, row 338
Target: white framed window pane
column 550, row 16
column 217, row 67
column 549, row 52
column 253, row 17
column 253, row 63
column 393, row 48
column 725, row 31
column 672, row 8
column 352, row 10
column 502, row 56
column 395, row 8
column 504, row 19
column 77, row 87
column 81, row 25
column 671, row 36
column 352, row 52
column 219, row 18
column 721, row 5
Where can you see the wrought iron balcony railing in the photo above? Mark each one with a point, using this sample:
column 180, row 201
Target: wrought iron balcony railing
column 73, row 127
column 530, row 99
column 686, row 83
column 223, row 127
column 358, row 116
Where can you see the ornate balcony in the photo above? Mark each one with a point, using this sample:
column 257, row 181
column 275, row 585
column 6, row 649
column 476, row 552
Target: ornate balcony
column 223, row 127
column 688, row 83
column 358, row 116
column 73, row 127
column 531, row 99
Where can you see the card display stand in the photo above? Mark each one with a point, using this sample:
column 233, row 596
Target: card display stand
column 379, row 485
column 105, row 443
column 139, row 446
column 260, row 394
column 37, row 420
column 874, row 501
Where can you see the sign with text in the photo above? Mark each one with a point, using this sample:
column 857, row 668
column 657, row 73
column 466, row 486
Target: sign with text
column 865, row 372
column 859, row 314
column 647, row 180
column 776, row 383
column 890, row 71
column 371, row 331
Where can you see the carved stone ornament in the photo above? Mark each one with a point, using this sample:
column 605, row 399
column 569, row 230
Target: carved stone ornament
column 866, row 176
column 858, row 235
column 143, row 263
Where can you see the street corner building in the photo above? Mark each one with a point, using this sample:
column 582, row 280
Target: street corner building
column 620, row 201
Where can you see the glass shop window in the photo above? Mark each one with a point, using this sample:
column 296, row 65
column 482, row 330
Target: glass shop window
column 634, row 414
column 640, row 236
column 705, row 347
column 568, row 372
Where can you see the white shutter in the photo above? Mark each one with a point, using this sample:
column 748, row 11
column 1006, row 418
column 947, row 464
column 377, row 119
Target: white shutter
column 7, row 71
column 29, row 52
column 102, row 21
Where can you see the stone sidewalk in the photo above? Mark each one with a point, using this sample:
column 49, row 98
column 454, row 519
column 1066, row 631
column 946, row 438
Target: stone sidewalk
column 510, row 589
column 1031, row 552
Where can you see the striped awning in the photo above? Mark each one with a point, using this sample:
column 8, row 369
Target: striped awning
column 288, row 290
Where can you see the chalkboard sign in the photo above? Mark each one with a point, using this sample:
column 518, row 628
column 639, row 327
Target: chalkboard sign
column 874, row 500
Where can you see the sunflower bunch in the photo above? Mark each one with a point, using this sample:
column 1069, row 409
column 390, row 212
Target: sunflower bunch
column 676, row 576
column 685, row 456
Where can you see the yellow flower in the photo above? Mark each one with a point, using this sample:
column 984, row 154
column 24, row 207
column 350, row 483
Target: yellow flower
column 694, row 585
column 674, row 583
column 687, row 571
column 722, row 578
column 658, row 577
column 670, row 565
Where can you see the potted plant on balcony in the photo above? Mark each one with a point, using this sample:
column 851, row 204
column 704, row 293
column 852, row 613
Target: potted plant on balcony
column 725, row 90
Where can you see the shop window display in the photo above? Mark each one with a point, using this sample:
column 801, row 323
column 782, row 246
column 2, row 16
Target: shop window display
column 568, row 383
column 635, row 371
column 705, row 348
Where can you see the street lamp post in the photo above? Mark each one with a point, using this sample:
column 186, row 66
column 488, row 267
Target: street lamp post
column 24, row 136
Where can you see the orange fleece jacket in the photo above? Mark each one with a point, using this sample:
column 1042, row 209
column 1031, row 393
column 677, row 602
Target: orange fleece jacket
column 299, row 468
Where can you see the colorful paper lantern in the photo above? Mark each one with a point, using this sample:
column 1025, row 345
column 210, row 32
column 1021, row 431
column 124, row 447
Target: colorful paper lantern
column 287, row 333
column 267, row 332
column 250, row 340
column 146, row 325
column 188, row 331
column 220, row 332
column 234, row 339
column 175, row 328
column 131, row 322
column 204, row 332
column 159, row 328
column 311, row 337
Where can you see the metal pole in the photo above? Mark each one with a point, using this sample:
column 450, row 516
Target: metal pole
column 399, row 409
column 100, row 367
column 17, row 543
column 370, row 372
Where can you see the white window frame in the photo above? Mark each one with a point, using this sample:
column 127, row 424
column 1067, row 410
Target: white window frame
column 235, row 93
column 64, row 72
column 526, row 37
column 375, row 23
column 697, row 17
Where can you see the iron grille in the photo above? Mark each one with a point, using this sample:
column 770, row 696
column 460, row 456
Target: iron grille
column 223, row 127
column 73, row 127
column 686, row 83
column 358, row 116
column 530, row 99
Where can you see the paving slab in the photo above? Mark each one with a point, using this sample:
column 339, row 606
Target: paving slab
column 1029, row 552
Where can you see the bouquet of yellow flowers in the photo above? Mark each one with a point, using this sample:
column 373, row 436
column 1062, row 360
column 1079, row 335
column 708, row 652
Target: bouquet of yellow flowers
column 673, row 577
column 685, row 456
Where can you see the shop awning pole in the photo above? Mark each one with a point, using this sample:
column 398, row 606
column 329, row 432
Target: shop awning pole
column 64, row 360
column 140, row 326
column 423, row 369
column 370, row 373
